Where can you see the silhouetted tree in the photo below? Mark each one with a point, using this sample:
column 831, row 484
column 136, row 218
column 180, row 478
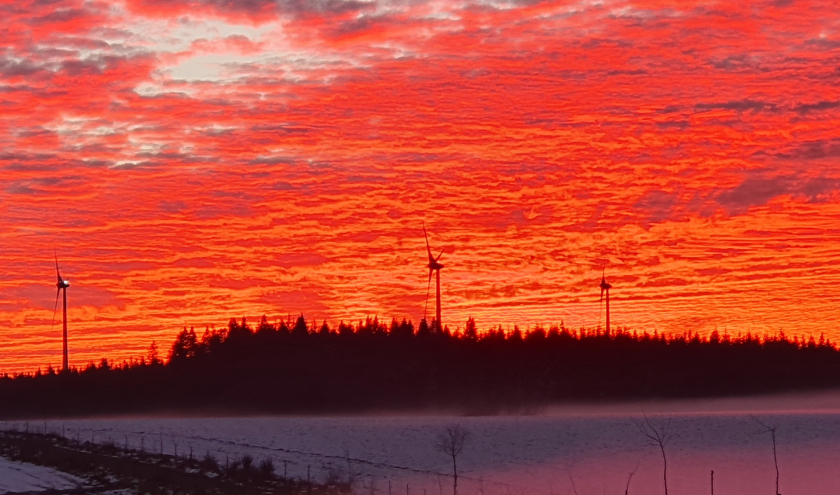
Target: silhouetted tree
column 265, row 328
column 471, row 331
column 345, row 330
column 300, row 329
column 657, row 436
column 451, row 442
column 324, row 330
column 238, row 333
column 423, row 329
column 152, row 353
column 407, row 328
column 403, row 329
column 185, row 346
column 375, row 365
column 210, row 341
column 772, row 431
column 283, row 328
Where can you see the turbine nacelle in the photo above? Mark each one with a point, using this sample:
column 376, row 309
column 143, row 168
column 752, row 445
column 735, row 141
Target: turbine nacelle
column 434, row 265
column 604, row 285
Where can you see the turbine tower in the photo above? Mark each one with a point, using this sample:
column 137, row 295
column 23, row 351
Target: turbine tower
column 62, row 286
column 434, row 267
column 605, row 287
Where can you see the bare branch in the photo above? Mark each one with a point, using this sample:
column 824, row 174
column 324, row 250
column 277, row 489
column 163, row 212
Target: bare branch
column 630, row 477
column 656, row 437
column 574, row 488
column 452, row 441
column 772, row 431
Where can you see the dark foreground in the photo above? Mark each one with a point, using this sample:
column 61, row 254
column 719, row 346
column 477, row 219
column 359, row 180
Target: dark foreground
column 109, row 468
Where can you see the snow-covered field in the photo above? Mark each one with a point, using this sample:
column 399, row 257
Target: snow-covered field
column 22, row 477
column 552, row 453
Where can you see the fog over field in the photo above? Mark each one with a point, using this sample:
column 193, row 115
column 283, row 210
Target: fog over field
column 583, row 449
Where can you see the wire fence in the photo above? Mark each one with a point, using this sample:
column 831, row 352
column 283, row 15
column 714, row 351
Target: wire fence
column 364, row 475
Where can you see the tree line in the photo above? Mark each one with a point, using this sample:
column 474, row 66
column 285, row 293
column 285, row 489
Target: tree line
column 300, row 366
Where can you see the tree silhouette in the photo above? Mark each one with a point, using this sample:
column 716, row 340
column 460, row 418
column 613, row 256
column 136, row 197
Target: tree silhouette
column 451, row 442
column 372, row 365
column 658, row 437
column 423, row 329
column 471, row 331
column 300, row 329
column 185, row 346
column 772, row 431
column 152, row 353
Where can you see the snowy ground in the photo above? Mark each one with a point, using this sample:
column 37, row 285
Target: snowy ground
column 551, row 453
column 22, row 477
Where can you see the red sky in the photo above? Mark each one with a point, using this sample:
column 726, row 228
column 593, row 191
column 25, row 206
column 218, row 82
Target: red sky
column 196, row 160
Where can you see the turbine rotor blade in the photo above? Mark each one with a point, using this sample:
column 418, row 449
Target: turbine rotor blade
column 428, row 289
column 441, row 254
column 57, row 273
column 55, row 308
column 431, row 258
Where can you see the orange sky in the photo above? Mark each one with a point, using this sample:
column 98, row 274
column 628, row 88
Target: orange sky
column 194, row 160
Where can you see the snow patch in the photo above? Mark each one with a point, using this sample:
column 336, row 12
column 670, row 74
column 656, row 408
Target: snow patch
column 23, row 477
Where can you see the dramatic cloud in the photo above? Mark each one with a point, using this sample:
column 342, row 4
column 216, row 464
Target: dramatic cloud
column 192, row 161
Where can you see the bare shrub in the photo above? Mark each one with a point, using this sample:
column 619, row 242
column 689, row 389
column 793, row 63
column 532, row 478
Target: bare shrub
column 209, row 463
column 266, row 467
column 247, row 463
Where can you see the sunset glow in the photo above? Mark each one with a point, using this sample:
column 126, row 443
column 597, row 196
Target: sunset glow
column 196, row 160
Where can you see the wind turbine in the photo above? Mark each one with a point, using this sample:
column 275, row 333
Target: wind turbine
column 434, row 267
column 62, row 284
column 605, row 287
